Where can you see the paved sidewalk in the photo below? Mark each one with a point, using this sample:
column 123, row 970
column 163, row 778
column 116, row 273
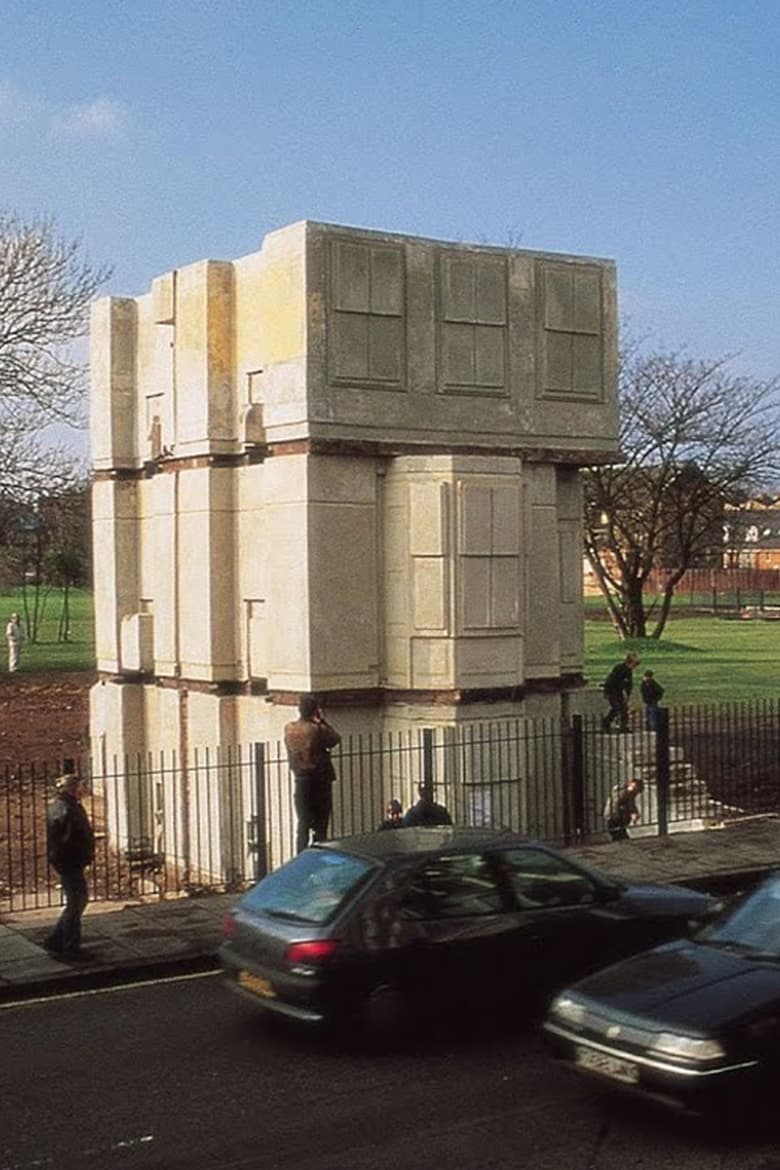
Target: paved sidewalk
column 130, row 942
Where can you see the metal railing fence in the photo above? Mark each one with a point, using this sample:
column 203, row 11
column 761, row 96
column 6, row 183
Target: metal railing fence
column 221, row 818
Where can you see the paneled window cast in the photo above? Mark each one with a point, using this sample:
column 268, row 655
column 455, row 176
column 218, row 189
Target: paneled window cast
column 489, row 561
column 472, row 326
column 366, row 338
column 572, row 330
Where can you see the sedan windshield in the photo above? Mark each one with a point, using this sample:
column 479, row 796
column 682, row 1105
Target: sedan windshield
column 310, row 888
column 753, row 926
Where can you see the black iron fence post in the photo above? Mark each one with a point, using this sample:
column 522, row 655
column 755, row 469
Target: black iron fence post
column 256, row 827
column 427, row 762
column 662, row 769
column 574, row 812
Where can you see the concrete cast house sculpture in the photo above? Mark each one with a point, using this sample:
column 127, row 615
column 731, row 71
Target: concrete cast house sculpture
column 345, row 463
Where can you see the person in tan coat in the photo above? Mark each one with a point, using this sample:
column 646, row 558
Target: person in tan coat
column 308, row 741
column 14, row 635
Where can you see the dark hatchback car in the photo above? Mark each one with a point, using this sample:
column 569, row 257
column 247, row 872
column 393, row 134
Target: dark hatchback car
column 369, row 925
column 694, row 1023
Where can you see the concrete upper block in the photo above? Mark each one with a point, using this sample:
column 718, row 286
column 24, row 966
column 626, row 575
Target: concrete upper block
column 348, row 335
column 433, row 342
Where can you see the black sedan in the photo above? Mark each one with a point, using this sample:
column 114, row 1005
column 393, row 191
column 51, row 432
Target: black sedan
column 422, row 918
column 693, row 1022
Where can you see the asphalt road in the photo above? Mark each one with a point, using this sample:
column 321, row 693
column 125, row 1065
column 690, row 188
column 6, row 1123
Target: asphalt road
column 181, row 1074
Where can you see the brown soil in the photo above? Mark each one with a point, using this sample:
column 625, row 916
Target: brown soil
column 43, row 719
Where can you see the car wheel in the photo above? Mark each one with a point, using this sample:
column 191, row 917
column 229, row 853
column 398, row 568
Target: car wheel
column 383, row 1011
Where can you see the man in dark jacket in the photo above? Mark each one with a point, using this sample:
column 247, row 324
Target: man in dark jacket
column 71, row 848
column 426, row 811
column 309, row 740
column 617, row 691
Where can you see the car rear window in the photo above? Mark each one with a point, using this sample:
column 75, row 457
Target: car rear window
column 311, row 887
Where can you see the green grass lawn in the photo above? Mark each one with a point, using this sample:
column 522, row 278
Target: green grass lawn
column 48, row 653
column 699, row 660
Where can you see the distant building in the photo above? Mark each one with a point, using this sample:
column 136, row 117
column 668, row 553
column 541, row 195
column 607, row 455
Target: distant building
column 751, row 535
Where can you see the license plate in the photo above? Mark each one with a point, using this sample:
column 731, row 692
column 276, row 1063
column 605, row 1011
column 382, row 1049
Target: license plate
column 608, row 1066
column 255, row 984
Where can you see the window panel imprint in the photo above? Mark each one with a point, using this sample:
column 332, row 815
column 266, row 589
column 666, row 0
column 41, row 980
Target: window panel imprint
column 489, row 557
column 366, row 335
column 572, row 331
column 505, row 598
column 457, row 357
column 385, row 345
column 476, row 573
column 488, row 356
column 352, row 278
column 429, row 593
column 472, row 324
column 349, row 345
column 586, row 362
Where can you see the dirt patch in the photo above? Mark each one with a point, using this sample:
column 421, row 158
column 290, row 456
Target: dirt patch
column 44, row 718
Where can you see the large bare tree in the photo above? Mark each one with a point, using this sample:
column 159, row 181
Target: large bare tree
column 46, row 286
column 694, row 435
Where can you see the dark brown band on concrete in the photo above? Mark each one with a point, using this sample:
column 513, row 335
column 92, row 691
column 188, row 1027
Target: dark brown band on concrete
column 366, row 697
column 375, row 449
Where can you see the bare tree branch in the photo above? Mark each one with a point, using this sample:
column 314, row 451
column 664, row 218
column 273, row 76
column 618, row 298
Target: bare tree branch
column 46, row 286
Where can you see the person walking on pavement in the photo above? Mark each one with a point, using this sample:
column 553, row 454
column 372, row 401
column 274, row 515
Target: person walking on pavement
column 426, row 811
column 308, row 741
column 652, row 692
column 617, row 692
column 621, row 810
column 70, row 845
column 15, row 637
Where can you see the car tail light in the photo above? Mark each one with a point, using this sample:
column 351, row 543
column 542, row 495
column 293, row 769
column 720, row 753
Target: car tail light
column 228, row 926
column 310, row 953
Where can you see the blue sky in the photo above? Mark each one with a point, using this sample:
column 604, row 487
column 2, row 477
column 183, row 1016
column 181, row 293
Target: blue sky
column 164, row 132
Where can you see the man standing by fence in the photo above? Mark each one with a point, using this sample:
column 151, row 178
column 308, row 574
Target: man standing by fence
column 71, row 847
column 308, row 741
